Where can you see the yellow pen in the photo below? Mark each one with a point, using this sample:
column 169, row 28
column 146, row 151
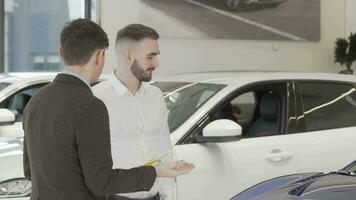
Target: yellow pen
column 151, row 162
column 154, row 161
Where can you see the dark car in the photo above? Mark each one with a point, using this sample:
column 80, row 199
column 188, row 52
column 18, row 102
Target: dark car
column 242, row 4
column 340, row 185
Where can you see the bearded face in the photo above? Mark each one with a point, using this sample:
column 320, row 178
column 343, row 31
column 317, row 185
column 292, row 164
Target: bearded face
column 140, row 73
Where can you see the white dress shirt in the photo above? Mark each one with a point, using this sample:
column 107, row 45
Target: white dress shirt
column 138, row 128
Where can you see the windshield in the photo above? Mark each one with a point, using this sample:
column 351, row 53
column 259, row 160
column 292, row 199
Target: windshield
column 184, row 98
column 6, row 80
column 350, row 167
column 4, row 85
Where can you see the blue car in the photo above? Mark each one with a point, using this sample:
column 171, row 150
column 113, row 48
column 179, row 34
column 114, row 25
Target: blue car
column 340, row 185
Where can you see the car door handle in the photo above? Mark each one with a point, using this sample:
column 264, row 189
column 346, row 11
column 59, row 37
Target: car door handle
column 278, row 156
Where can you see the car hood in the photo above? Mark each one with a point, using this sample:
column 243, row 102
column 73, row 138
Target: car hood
column 260, row 190
column 296, row 186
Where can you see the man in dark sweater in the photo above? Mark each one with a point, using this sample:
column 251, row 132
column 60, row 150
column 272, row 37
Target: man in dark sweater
column 67, row 139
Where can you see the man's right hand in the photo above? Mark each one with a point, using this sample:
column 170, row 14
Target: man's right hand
column 173, row 169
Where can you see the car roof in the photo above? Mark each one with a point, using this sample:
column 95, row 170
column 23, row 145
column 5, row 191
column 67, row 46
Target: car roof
column 26, row 76
column 236, row 77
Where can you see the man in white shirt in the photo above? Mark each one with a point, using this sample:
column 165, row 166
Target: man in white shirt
column 137, row 111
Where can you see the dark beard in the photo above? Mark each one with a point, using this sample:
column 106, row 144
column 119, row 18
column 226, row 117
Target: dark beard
column 139, row 73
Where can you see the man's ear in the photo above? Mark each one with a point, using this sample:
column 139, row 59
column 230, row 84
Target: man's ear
column 99, row 56
column 61, row 54
column 128, row 56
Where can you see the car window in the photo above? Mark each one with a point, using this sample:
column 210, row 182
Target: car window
column 6, row 80
column 184, row 98
column 353, row 169
column 243, row 108
column 240, row 109
column 258, row 112
column 18, row 101
column 264, row 114
column 205, row 96
column 328, row 105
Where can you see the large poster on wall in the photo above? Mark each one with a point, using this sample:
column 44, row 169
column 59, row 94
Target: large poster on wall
column 294, row 20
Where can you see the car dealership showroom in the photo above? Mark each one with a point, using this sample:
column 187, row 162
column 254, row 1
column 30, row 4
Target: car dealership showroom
column 178, row 99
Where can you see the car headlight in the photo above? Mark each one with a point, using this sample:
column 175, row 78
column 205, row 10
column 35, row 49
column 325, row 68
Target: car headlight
column 19, row 187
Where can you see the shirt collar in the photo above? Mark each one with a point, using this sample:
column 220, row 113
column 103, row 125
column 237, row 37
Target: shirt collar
column 121, row 89
column 78, row 76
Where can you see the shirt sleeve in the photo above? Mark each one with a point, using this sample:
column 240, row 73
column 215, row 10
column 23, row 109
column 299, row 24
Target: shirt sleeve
column 94, row 149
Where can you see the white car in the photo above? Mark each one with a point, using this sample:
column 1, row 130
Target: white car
column 240, row 128
column 16, row 89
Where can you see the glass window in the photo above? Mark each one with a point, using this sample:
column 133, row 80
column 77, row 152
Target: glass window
column 3, row 85
column 6, row 80
column 240, row 109
column 243, row 107
column 183, row 99
column 32, row 29
column 17, row 102
column 328, row 105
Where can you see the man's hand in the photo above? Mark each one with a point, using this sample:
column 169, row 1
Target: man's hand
column 173, row 169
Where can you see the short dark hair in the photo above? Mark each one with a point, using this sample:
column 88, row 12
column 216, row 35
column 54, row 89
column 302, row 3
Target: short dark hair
column 136, row 32
column 80, row 38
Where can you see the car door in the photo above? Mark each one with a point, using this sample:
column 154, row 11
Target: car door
column 224, row 168
column 327, row 122
column 17, row 103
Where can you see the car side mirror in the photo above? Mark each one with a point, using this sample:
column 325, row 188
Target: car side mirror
column 222, row 130
column 6, row 116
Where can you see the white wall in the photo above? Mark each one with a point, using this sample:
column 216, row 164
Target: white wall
column 350, row 16
column 185, row 55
